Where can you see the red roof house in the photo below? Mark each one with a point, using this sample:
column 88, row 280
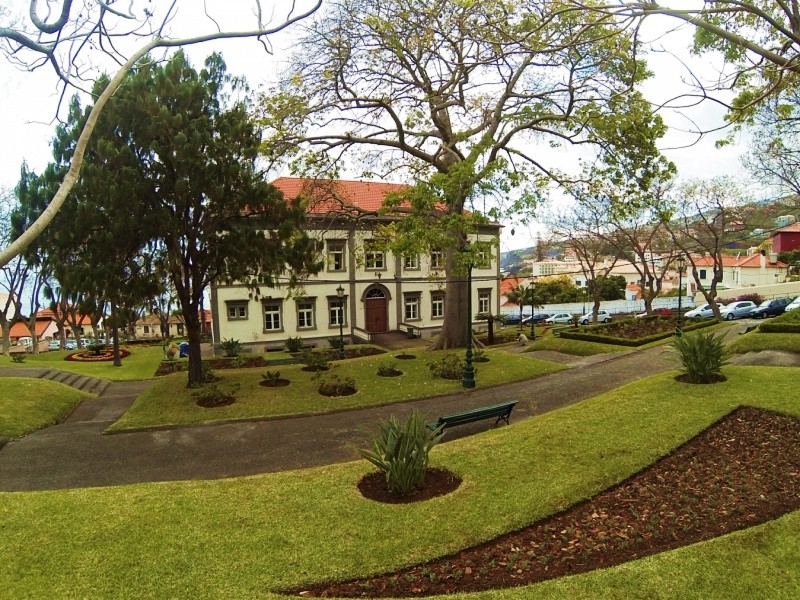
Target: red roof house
column 786, row 239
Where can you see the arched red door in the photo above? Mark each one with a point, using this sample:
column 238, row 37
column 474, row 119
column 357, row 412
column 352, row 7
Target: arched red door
column 375, row 308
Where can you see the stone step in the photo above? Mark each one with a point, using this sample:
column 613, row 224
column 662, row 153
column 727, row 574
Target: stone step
column 84, row 383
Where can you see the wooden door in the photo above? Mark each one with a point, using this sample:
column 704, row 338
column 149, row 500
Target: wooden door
column 376, row 317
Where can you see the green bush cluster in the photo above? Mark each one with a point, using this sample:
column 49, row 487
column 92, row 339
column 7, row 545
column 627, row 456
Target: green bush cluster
column 702, row 355
column 447, row 366
column 231, row 348
column 333, row 385
column 294, row 344
column 271, row 377
column 388, row 369
column 788, row 322
column 317, row 361
column 402, row 452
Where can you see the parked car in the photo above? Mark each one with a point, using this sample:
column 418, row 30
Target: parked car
column 657, row 312
column 540, row 318
column 71, row 345
column 511, row 319
column 793, row 304
column 559, row 318
column 737, row 310
column 603, row 316
column 770, row 308
column 702, row 312
column 54, row 345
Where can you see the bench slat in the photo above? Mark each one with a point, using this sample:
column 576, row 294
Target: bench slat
column 502, row 412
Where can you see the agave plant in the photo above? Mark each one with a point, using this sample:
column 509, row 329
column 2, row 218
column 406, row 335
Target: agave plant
column 702, row 356
column 401, row 452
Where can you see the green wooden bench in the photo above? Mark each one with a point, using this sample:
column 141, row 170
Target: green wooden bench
column 499, row 412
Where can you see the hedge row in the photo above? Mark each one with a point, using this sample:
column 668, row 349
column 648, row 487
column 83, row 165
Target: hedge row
column 773, row 327
column 607, row 339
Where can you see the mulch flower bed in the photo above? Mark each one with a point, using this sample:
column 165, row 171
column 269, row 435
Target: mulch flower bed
column 210, row 403
column 405, row 357
column 742, row 471
column 275, row 383
column 91, row 356
column 438, row 482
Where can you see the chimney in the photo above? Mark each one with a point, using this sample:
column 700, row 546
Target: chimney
column 763, row 257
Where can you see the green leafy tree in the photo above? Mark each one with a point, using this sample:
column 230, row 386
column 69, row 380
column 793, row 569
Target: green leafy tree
column 462, row 99
column 172, row 168
column 558, row 290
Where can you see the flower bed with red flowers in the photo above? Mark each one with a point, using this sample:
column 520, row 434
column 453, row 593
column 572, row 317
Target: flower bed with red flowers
column 106, row 354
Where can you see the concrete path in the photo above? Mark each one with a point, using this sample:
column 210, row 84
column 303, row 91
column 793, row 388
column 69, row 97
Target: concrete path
column 77, row 454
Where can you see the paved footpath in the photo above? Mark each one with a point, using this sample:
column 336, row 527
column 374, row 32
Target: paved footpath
column 75, row 453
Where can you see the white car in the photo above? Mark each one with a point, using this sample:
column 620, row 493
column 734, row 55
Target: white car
column 793, row 304
column 603, row 316
column 560, row 318
column 737, row 310
column 702, row 312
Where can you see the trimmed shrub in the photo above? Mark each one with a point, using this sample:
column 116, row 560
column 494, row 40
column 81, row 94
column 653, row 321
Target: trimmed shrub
column 232, row 348
column 336, row 343
column 702, row 356
column 294, row 344
column 333, row 385
column 447, row 366
column 402, row 452
column 317, row 361
column 389, row 370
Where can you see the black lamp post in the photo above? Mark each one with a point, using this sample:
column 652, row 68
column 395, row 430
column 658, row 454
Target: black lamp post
column 681, row 266
column 533, row 307
column 340, row 293
column 468, row 380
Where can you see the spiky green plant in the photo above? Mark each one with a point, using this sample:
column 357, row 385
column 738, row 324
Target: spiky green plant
column 401, row 452
column 702, row 356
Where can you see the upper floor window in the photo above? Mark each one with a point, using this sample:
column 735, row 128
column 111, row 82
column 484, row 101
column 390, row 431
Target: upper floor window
column 374, row 258
column 702, row 273
column 411, row 263
column 336, row 255
column 484, row 260
column 437, row 259
column 237, row 310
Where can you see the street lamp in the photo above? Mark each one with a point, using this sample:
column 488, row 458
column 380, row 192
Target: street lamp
column 533, row 307
column 468, row 380
column 340, row 294
column 681, row 266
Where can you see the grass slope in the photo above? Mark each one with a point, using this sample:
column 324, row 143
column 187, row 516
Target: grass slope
column 248, row 536
column 141, row 364
column 30, row 404
column 169, row 402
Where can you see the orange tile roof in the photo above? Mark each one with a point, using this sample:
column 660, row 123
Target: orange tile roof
column 751, row 262
column 326, row 195
column 507, row 285
column 19, row 330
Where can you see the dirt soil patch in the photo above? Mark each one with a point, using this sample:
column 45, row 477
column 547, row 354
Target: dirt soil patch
column 742, row 471
column 438, row 482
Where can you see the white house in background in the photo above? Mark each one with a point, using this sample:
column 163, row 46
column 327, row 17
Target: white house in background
column 742, row 271
column 380, row 292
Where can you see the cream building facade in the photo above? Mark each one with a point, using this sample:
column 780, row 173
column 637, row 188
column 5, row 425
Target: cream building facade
column 362, row 289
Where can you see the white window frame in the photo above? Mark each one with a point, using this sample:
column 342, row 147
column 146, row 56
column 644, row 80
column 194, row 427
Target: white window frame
column 374, row 260
column 437, row 259
column 276, row 307
column 336, row 248
column 306, row 307
column 411, row 306
column 411, row 262
column 437, row 305
column 236, row 310
column 485, row 301
column 336, row 307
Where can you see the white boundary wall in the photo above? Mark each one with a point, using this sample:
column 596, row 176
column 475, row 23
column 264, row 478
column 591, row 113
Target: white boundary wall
column 612, row 306
column 790, row 289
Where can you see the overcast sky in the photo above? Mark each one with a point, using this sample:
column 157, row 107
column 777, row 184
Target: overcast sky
column 29, row 102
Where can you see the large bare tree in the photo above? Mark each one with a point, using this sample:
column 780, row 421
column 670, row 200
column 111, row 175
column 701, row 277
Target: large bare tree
column 74, row 38
column 464, row 98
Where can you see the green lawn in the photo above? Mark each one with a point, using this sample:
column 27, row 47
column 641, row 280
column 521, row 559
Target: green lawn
column 141, row 364
column 30, row 404
column 756, row 342
column 247, row 537
column 574, row 347
column 170, row 402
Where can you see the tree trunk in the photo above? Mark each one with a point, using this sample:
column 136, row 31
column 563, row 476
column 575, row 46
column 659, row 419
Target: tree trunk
column 454, row 328
column 192, row 322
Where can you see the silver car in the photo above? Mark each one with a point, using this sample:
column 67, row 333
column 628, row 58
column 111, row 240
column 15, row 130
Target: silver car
column 737, row 310
column 560, row 318
column 702, row 312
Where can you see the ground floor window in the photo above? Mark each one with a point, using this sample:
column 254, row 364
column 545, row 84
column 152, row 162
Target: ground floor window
column 437, row 305
column 337, row 313
column 305, row 313
column 484, row 301
column 272, row 316
column 411, row 304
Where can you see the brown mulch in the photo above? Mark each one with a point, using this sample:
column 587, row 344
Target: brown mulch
column 742, row 471
column 275, row 383
column 438, row 482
